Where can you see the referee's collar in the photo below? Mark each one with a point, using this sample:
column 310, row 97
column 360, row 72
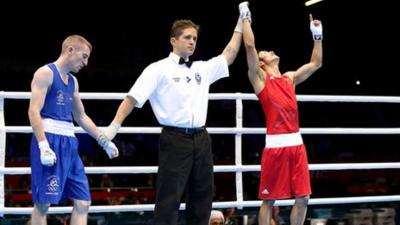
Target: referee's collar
column 174, row 57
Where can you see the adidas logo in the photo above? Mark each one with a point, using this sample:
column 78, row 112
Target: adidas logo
column 265, row 192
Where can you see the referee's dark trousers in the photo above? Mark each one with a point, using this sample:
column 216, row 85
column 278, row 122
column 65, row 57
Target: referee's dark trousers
column 185, row 164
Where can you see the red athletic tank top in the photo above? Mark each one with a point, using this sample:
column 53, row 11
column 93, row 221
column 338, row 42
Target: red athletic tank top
column 279, row 104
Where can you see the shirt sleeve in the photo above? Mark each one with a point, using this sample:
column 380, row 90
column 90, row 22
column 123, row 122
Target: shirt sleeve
column 217, row 68
column 144, row 85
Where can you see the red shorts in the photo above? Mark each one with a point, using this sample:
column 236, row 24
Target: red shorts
column 284, row 173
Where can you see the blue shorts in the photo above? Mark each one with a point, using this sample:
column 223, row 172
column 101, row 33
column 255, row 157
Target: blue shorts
column 66, row 179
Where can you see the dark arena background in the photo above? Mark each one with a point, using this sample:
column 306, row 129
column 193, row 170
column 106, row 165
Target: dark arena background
column 360, row 58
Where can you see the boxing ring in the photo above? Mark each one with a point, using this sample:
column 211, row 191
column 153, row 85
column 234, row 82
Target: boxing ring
column 238, row 167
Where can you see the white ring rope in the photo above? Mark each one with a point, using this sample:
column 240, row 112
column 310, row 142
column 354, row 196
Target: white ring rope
column 238, row 167
column 2, row 149
column 229, row 96
column 230, row 204
column 229, row 130
column 217, row 169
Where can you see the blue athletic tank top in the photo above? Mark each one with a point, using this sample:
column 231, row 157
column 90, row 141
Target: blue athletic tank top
column 58, row 102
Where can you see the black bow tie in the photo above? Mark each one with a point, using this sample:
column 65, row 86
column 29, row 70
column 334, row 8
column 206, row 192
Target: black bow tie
column 188, row 63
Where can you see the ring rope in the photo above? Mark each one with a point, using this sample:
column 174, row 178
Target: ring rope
column 238, row 167
column 229, row 204
column 217, row 169
column 229, row 96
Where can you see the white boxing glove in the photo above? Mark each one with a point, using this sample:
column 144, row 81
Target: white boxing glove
column 47, row 155
column 108, row 146
column 244, row 12
column 316, row 29
column 111, row 150
column 112, row 130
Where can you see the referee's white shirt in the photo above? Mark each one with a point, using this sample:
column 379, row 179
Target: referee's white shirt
column 178, row 94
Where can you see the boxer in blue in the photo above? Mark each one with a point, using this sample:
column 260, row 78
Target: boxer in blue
column 57, row 170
